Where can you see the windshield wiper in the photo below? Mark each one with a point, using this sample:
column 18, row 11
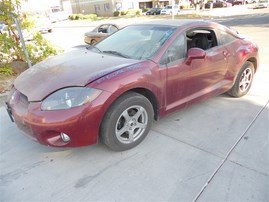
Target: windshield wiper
column 93, row 47
column 117, row 53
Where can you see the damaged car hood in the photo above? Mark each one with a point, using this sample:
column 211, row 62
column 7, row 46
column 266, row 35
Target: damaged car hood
column 74, row 68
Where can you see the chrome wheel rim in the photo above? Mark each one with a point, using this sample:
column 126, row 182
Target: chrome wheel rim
column 245, row 80
column 131, row 124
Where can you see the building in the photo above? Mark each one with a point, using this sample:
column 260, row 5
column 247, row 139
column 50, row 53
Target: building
column 46, row 7
column 107, row 7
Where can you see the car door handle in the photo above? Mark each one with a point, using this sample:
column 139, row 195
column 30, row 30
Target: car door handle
column 225, row 53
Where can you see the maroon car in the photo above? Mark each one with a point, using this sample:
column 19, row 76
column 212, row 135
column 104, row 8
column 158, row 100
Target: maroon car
column 115, row 89
column 236, row 2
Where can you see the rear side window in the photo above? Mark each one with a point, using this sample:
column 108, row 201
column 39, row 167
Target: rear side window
column 226, row 37
column 113, row 29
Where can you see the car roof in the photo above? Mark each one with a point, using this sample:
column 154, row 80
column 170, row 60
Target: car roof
column 177, row 23
column 189, row 23
column 107, row 24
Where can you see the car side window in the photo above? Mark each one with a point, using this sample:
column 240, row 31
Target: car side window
column 103, row 29
column 201, row 38
column 176, row 51
column 226, row 37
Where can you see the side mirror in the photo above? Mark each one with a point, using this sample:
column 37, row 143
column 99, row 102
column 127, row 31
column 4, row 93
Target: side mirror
column 195, row 53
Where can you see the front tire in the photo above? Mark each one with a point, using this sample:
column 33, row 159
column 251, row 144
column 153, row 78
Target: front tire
column 127, row 122
column 243, row 81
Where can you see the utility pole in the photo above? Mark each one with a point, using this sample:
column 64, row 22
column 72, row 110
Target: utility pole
column 173, row 5
column 22, row 42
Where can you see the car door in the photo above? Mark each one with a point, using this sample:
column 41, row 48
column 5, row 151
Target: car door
column 232, row 45
column 199, row 79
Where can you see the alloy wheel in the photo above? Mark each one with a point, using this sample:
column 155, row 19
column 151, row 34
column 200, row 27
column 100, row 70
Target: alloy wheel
column 131, row 124
column 245, row 80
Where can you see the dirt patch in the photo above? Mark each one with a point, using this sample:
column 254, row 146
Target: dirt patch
column 6, row 82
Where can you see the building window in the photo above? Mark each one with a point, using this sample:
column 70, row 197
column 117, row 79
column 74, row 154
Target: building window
column 143, row 5
column 97, row 8
column 118, row 6
column 106, row 7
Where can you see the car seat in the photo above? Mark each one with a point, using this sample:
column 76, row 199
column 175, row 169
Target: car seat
column 199, row 41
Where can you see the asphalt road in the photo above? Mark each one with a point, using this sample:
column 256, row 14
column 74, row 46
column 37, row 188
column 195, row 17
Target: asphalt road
column 217, row 150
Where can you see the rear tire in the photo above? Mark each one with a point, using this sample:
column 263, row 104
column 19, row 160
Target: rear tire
column 127, row 122
column 243, row 81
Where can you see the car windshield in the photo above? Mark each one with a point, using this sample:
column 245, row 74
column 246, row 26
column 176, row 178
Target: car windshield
column 136, row 42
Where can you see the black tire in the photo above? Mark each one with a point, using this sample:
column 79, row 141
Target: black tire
column 243, row 81
column 131, row 113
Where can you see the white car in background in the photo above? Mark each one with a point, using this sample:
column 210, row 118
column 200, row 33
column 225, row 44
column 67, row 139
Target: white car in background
column 250, row 1
column 262, row 4
column 169, row 9
column 43, row 24
column 56, row 14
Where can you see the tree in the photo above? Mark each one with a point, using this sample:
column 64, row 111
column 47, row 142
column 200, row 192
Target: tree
column 10, row 41
column 10, row 45
column 198, row 4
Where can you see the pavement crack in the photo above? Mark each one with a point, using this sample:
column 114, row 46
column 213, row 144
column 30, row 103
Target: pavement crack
column 194, row 177
column 246, row 167
column 229, row 153
column 173, row 138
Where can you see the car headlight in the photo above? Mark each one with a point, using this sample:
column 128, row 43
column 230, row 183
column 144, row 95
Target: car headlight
column 69, row 97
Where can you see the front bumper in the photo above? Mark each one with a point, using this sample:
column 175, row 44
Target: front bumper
column 81, row 123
